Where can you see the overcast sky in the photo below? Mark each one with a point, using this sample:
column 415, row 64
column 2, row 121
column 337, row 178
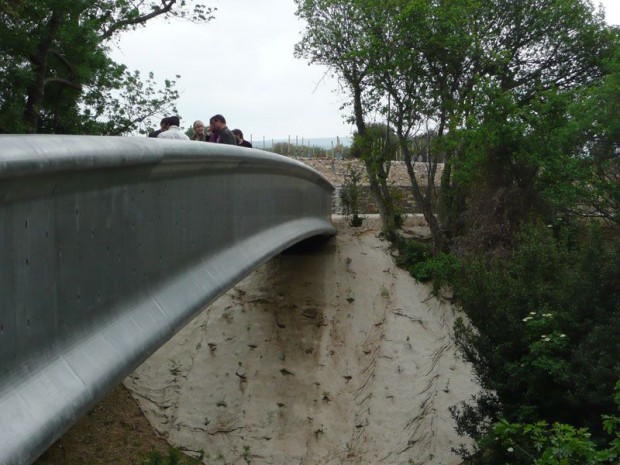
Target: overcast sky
column 241, row 65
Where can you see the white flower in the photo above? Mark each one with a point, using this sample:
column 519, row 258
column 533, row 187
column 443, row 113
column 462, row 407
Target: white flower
column 562, row 335
column 510, row 449
column 532, row 313
column 547, row 339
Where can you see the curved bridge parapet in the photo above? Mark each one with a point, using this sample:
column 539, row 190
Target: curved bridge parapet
column 110, row 245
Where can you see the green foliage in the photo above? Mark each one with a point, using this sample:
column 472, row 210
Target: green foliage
column 376, row 147
column 550, row 147
column 466, row 69
column 545, row 320
column 55, row 73
column 543, row 444
column 443, row 268
column 378, row 143
column 417, row 258
column 350, row 193
column 414, row 257
column 523, row 100
column 590, row 175
column 556, row 151
column 398, row 213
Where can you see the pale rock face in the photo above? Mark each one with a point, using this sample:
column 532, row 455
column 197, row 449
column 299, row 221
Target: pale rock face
column 330, row 357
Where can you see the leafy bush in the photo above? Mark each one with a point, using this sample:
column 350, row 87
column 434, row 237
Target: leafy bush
column 545, row 340
column 350, row 195
column 543, row 444
column 413, row 256
column 417, row 258
column 398, row 215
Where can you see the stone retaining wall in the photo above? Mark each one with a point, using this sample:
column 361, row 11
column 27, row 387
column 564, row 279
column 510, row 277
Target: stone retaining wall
column 367, row 203
column 336, row 170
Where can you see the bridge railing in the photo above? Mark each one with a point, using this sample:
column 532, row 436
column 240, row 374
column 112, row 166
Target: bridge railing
column 109, row 246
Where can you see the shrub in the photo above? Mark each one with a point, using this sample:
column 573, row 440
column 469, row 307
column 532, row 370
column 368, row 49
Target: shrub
column 417, row 258
column 543, row 444
column 350, row 195
column 545, row 320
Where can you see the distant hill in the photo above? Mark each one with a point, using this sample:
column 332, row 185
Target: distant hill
column 323, row 142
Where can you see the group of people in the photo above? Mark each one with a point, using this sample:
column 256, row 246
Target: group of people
column 216, row 132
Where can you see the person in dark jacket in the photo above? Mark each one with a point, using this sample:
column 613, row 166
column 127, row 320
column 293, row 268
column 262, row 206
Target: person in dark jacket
column 220, row 133
column 163, row 126
column 240, row 141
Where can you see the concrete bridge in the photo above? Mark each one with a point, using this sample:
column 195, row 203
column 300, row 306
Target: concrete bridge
column 110, row 245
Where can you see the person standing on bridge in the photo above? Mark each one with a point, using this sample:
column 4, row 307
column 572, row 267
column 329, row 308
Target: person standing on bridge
column 220, row 133
column 163, row 126
column 240, row 140
column 173, row 132
column 199, row 131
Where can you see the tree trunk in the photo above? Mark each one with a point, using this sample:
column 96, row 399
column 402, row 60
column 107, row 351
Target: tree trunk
column 425, row 201
column 377, row 180
column 39, row 60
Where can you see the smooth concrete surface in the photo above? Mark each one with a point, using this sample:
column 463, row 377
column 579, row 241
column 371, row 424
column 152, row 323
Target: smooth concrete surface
column 110, row 245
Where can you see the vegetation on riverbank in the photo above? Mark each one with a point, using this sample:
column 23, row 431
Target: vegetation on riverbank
column 519, row 100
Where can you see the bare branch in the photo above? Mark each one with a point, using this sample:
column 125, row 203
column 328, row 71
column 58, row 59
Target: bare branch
column 64, row 82
column 164, row 9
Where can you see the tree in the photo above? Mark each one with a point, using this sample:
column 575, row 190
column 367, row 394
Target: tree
column 480, row 70
column 591, row 162
column 463, row 69
column 513, row 95
column 335, row 37
column 541, row 335
column 417, row 55
column 533, row 58
column 378, row 147
column 55, row 75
